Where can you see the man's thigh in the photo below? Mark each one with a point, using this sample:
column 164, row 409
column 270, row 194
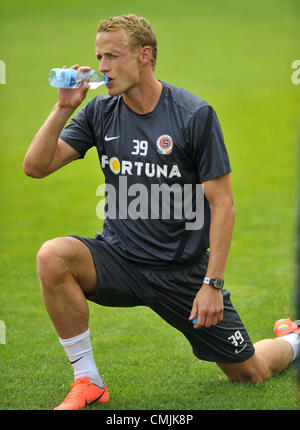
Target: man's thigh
column 121, row 284
column 118, row 283
column 227, row 342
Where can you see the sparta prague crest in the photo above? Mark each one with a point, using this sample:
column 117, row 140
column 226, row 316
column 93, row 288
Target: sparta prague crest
column 164, row 144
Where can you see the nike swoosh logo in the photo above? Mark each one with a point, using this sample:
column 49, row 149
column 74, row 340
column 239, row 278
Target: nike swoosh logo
column 242, row 349
column 95, row 400
column 107, row 139
column 72, row 362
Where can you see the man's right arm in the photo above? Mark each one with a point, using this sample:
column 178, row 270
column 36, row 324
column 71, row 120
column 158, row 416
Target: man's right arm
column 47, row 152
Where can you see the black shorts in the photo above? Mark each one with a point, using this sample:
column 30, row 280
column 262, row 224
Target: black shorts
column 170, row 293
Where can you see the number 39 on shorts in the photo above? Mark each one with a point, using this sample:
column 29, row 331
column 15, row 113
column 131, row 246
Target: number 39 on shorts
column 237, row 338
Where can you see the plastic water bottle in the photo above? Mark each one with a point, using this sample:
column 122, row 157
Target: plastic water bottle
column 71, row 78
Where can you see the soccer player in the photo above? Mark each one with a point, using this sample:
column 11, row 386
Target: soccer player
column 169, row 200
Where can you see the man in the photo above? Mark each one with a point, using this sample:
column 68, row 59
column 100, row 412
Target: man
column 147, row 133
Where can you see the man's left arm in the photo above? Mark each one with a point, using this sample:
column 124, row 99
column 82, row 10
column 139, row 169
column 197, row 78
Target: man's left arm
column 208, row 303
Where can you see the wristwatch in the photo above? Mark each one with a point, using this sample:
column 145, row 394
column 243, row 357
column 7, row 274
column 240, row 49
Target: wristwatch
column 217, row 283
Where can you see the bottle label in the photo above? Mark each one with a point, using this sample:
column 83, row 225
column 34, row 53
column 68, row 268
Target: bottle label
column 72, row 78
column 63, row 78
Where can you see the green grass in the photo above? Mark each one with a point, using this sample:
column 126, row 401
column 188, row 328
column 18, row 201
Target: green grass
column 238, row 57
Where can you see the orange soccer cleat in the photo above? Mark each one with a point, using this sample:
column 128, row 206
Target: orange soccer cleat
column 83, row 394
column 285, row 326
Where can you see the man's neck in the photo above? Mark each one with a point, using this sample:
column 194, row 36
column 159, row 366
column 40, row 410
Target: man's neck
column 144, row 98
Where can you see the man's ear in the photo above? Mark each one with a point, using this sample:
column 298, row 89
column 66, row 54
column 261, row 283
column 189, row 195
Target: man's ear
column 145, row 55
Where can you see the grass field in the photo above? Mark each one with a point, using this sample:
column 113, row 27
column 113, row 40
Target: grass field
column 237, row 56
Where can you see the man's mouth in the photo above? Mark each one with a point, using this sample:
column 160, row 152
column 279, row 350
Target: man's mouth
column 109, row 80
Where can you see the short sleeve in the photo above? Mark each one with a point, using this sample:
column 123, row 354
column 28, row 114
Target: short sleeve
column 79, row 133
column 209, row 153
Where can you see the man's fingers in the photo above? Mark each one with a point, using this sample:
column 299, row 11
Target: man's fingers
column 193, row 313
column 200, row 320
column 209, row 319
column 205, row 319
column 208, row 307
column 85, row 88
column 215, row 319
column 85, row 68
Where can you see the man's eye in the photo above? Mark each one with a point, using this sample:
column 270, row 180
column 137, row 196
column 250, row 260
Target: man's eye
column 109, row 56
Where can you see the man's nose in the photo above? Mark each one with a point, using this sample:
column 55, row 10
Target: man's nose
column 103, row 66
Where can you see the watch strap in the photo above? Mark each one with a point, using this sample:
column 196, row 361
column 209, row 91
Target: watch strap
column 216, row 283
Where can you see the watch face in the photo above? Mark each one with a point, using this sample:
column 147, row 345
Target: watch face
column 218, row 283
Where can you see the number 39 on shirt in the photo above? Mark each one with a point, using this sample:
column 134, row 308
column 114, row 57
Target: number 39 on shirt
column 140, row 147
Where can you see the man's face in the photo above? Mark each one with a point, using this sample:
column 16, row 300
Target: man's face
column 117, row 61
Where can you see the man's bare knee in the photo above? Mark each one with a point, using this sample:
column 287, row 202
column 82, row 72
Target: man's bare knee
column 248, row 377
column 66, row 259
column 52, row 261
column 252, row 370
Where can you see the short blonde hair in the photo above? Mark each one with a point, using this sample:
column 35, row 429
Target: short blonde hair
column 138, row 29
